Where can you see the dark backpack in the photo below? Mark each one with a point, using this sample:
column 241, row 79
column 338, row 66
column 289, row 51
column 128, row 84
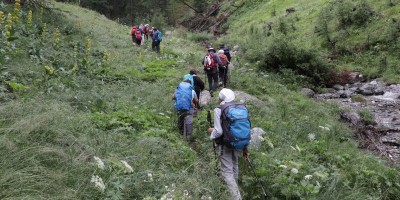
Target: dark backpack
column 236, row 125
column 209, row 62
column 138, row 35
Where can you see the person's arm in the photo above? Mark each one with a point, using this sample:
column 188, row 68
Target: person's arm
column 199, row 82
column 174, row 96
column 217, row 131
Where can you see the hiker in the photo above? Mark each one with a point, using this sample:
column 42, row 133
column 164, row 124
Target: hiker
column 146, row 31
column 223, row 70
column 211, row 63
column 185, row 100
column 231, row 133
column 133, row 31
column 138, row 37
column 197, row 83
column 157, row 38
column 226, row 51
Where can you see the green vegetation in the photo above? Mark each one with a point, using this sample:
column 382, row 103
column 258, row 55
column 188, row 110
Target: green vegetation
column 77, row 99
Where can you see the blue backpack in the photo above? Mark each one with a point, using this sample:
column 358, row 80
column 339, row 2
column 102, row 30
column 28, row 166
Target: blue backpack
column 183, row 96
column 190, row 77
column 236, row 125
column 159, row 36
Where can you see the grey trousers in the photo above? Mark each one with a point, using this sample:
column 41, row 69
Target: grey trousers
column 185, row 123
column 230, row 170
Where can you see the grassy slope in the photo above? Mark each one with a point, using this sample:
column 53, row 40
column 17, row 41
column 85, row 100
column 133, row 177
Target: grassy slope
column 49, row 136
column 247, row 28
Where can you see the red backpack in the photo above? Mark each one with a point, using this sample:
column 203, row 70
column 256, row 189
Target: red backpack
column 138, row 35
column 133, row 30
column 223, row 59
column 209, row 62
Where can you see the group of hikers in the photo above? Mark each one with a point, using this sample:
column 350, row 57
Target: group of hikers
column 140, row 33
column 230, row 131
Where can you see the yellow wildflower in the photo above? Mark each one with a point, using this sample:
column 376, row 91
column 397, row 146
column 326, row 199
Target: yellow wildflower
column 49, row 69
column 44, row 31
column 29, row 18
column 88, row 44
column 1, row 16
column 57, row 36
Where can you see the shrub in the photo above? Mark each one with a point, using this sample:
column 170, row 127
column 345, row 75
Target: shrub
column 280, row 53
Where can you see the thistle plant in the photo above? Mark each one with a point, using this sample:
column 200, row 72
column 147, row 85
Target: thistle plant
column 29, row 19
column 88, row 44
column 57, row 37
column 1, row 17
column 106, row 58
column 17, row 8
column 8, row 27
column 75, row 57
column 44, row 32
column 49, row 69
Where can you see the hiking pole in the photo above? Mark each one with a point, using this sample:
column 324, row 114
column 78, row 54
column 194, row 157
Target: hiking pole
column 209, row 121
column 257, row 179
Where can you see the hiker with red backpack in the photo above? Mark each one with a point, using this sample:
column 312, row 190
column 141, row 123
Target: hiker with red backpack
column 226, row 51
column 133, row 31
column 223, row 70
column 231, row 133
column 185, row 102
column 211, row 63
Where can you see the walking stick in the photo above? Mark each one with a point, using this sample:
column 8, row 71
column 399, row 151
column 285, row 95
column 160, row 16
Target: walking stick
column 257, row 179
column 209, row 121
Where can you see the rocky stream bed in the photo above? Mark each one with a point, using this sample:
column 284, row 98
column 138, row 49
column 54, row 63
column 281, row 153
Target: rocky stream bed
column 373, row 110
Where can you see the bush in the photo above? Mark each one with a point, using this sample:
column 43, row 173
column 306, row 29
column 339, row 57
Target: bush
column 200, row 36
column 281, row 53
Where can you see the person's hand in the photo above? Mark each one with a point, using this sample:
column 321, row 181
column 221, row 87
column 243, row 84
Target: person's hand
column 246, row 154
column 210, row 130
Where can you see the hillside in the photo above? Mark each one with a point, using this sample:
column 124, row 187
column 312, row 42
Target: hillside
column 76, row 99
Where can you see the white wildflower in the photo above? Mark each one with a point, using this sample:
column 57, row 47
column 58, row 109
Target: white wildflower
column 283, row 166
column 308, row 177
column 160, row 113
column 325, row 128
column 298, row 148
column 311, row 136
column 98, row 183
column 294, row 171
column 128, row 168
column 209, row 198
column 150, row 176
column 99, row 162
column 185, row 193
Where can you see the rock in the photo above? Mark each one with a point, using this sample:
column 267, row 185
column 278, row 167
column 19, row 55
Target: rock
column 355, row 77
column 352, row 117
column 338, row 87
column 327, row 96
column 345, row 93
column 205, row 98
column 243, row 97
column 235, row 48
column 243, row 70
column 256, row 137
column 307, row 92
column 231, row 66
column 372, row 88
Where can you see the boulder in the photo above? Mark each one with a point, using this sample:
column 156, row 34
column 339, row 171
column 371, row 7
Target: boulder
column 307, row 92
column 372, row 88
column 355, row 77
column 205, row 98
column 256, row 137
column 243, row 97
column 345, row 93
column 338, row 87
column 352, row 117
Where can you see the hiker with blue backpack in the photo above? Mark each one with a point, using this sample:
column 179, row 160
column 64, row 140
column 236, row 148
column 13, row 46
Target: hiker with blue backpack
column 231, row 133
column 185, row 105
column 156, row 40
column 211, row 63
column 197, row 83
